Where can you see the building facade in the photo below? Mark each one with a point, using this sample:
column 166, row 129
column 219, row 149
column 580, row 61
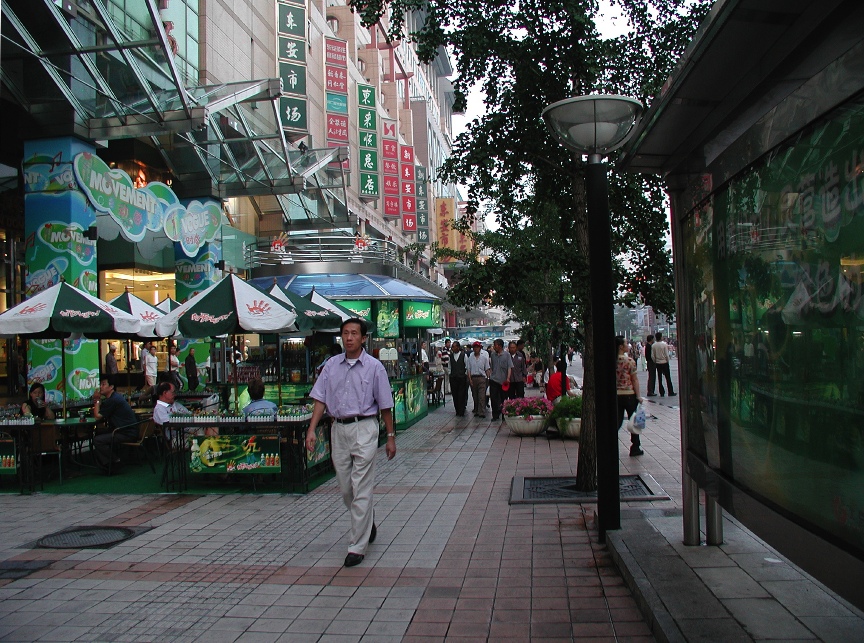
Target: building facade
column 154, row 145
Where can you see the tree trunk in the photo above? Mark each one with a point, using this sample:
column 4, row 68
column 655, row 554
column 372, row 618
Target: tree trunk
column 586, row 468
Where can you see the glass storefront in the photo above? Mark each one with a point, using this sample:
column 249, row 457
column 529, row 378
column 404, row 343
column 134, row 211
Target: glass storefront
column 774, row 285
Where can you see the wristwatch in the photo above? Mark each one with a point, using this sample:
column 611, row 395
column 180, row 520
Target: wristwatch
column 391, row 435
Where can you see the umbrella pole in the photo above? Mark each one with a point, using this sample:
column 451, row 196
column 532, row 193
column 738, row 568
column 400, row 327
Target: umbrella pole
column 279, row 367
column 63, row 372
column 234, row 372
column 129, row 368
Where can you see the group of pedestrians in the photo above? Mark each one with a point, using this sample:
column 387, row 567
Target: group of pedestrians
column 657, row 360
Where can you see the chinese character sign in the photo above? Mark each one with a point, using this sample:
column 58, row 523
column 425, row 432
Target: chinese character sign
column 291, row 51
column 445, row 208
column 368, row 137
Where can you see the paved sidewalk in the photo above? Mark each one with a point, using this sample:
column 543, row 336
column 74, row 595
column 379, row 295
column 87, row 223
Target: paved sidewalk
column 453, row 559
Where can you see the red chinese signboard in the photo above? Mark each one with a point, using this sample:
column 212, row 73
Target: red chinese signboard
column 337, row 79
column 390, row 149
column 391, row 185
column 409, row 223
column 336, row 52
column 391, row 206
column 337, row 127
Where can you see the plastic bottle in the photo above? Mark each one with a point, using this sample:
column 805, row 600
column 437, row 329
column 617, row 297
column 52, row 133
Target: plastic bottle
column 196, row 455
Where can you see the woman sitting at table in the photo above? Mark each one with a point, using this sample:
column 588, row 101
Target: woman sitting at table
column 35, row 404
column 258, row 405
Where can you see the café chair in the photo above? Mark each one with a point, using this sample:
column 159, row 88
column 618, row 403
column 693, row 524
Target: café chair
column 46, row 441
column 145, row 432
column 435, row 392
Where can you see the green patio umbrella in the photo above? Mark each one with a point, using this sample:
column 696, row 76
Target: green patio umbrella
column 228, row 307
column 310, row 316
column 63, row 311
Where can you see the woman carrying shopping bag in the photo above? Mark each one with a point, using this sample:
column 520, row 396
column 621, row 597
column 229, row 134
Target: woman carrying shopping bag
column 628, row 391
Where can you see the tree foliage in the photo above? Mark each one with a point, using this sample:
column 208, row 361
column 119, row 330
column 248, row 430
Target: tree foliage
column 525, row 55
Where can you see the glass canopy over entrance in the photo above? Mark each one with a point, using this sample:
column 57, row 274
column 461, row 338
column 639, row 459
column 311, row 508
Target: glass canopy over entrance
column 84, row 68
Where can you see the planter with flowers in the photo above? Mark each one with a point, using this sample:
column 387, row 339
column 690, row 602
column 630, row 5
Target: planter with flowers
column 526, row 415
column 567, row 416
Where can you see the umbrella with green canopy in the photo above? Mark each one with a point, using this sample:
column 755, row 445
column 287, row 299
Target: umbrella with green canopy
column 228, row 307
column 137, row 307
column 310, row 316
column 168, row 304
column 62, row 311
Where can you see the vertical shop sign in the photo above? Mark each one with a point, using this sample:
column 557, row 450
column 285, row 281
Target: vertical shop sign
column 390, row 167
column 336, row 85
column 370, row 180
column 421, row 196
column 291, row 51
column 445, row 210
column 406, row 189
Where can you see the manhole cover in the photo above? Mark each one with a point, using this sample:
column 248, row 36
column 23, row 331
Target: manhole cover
column 563, row 489
column 85, row 537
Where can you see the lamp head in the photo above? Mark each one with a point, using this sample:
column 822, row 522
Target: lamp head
column 596, row 124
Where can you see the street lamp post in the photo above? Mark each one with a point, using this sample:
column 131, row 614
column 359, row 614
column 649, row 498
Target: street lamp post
column 596, row 125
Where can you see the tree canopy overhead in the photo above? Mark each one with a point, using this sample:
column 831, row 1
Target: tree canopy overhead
column 525, row 55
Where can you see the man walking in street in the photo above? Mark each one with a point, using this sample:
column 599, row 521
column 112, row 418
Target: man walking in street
column 353, row 388
column 459, row 378
column 479, row 370
column 518, row 374
column 660, row 354
column 444, row 357
column 651, row 366
column 502, row 368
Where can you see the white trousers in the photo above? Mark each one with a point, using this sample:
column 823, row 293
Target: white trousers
column 353, row 451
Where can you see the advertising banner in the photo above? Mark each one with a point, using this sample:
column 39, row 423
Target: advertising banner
column 222, row 454
column 291, row 49
column 360, row 307
column 446, row 210
column 387, row 318
column 417, row 314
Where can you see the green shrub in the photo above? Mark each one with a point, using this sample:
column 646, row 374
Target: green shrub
column 568, row 407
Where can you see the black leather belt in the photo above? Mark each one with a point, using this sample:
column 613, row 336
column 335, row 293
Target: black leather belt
column 353, row 419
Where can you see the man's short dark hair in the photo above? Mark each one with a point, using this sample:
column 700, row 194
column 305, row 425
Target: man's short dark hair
column 162, row 388
column 107, row 379
column 256, row 390
column 512, row 343
column 648, row 338
column 499, row 342
column 364, row 329
column 520, row 343
column 658, row 336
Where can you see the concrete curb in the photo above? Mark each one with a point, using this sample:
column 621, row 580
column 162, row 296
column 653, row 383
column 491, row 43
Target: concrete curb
column 659, row 620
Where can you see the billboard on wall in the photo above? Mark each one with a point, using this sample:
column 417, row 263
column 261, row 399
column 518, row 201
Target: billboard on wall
column 361, row 307
column 418, row 314
column 387, row 318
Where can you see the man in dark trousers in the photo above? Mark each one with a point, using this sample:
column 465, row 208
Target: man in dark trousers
column 191, row 367
column 459, row 378
column 109, row 405
column 652, row 367
column 502, row 366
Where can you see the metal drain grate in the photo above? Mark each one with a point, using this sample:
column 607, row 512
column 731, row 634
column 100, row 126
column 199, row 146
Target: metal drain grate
column 86, row 538
column 563, row 489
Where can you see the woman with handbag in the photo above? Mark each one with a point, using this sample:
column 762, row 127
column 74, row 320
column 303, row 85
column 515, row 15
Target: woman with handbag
column 628, row 391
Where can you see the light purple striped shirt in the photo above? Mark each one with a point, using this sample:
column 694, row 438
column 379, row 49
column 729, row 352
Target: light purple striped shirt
column 361, row 389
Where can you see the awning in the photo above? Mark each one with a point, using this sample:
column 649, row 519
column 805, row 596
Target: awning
column 346, row 286
column 75, row 70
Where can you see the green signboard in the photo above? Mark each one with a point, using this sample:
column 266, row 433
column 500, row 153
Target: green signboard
column 234, row 454
column 292, row 21
column 292, row 50
column 387, row 318
column 366, row 119
column 366, row 95
column 418, row 314
column 361, row 307
column 293, row 78
column 369, row 184
column 369, row 139
column 368, row 160
column 293, row 112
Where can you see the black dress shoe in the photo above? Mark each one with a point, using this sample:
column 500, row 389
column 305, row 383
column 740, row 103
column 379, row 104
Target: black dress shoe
column 672, row 395
column 353, row 559
column 650, row 395
column 374, row 534
column 634, row 451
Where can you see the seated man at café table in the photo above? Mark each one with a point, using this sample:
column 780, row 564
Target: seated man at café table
column 165, row 405
column 35, row 404
column 112, row 407
column 258, row 405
